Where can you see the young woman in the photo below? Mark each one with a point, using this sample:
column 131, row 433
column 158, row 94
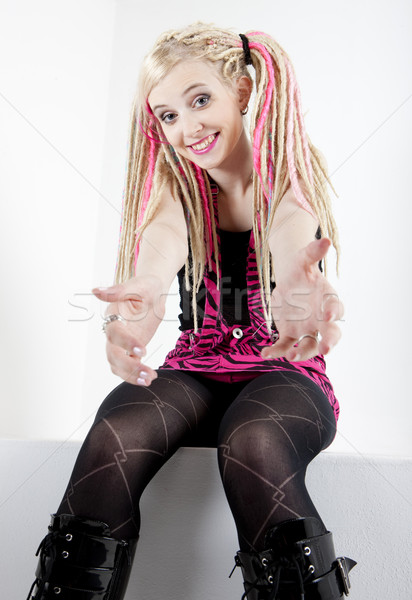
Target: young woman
column 243, row 223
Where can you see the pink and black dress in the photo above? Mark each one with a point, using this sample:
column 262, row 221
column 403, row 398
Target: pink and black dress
column 233, row 330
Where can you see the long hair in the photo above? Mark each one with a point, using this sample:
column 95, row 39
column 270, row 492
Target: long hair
column 283, row 155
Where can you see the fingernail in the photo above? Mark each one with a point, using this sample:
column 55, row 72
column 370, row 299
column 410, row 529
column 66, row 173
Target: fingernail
column 138, row 351
column 141, row 381
column 143, row 374
column 101, row 289
column 332, row 317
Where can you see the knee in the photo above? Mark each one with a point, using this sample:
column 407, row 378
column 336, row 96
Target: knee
column 120, row 395
column 245, row 441
column 123, row 423
column 126, row 416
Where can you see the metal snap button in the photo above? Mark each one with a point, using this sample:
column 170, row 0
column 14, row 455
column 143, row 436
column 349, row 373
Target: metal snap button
column 237, row 333
column 57, row 590
column 65, row 554
column 69, row 537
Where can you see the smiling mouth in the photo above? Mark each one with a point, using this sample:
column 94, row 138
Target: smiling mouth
column 204, row 143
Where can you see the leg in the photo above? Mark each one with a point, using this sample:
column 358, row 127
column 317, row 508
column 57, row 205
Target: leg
column 87, row 553
column 135, row 432
column 269, row 435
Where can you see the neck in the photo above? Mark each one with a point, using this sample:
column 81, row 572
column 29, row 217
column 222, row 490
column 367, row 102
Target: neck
column 234, row 176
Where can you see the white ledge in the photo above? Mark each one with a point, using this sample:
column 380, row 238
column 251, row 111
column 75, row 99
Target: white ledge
column 188, row 539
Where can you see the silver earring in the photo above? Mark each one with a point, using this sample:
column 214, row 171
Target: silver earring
column 244, row 111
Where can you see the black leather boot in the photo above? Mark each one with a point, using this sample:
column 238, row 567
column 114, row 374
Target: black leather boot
column 79, row 560
column 298, row 563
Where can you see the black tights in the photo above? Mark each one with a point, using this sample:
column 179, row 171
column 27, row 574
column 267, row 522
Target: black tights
column 266, row 430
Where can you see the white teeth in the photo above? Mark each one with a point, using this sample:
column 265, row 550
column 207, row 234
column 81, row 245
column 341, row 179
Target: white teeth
column 205, row 143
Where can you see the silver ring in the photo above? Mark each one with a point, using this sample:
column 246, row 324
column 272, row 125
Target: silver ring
column 317, row 337
column 110, row 319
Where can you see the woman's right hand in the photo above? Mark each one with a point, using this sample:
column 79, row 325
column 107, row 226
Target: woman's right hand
column 140, row 301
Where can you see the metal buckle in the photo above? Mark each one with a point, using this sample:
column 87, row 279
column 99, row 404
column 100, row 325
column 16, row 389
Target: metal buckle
column 344, row 574
column 274, row 336
column 191, row 343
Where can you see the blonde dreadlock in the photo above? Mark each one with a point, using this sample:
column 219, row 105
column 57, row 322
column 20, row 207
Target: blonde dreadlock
column 283, row 155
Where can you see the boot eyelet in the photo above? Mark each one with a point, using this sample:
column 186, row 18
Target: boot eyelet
column 68, row 537
column 270, row 579
column 265, row 562
column 65, row 554
column 311, row 569
column 306, row 550
column 57, row 590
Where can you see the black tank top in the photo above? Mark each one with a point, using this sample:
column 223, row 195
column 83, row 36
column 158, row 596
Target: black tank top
column 234, row 247
column 233, row 250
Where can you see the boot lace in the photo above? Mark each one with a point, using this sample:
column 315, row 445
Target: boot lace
column 46, row 548
column 273, row 571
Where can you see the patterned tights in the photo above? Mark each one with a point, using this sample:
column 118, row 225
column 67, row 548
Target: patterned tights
column 266, row 430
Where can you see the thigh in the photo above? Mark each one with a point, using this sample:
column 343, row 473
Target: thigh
column 179, row 408
column 171, row 409
column 138, row 428
column 281, row 411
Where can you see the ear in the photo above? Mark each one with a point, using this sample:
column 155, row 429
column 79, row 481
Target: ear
column 244, row 90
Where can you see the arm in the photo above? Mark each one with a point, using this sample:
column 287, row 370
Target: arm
column 303, row 301
column 164, row 246
column 141, row 299
column 293, row 228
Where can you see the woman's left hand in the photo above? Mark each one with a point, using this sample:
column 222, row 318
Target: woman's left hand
column 303, row 304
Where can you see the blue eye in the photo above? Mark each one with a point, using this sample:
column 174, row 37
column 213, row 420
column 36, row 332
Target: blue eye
column 167, row 117
column 202, row 100
column 198, row 102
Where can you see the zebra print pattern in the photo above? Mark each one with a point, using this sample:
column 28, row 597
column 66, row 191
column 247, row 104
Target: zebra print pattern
column 214, row 348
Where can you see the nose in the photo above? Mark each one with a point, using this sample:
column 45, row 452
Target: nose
column 192, row 126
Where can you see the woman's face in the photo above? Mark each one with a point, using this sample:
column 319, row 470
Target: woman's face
column 200, row 116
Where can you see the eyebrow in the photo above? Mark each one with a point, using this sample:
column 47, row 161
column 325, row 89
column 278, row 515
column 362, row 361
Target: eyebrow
column 187, row 90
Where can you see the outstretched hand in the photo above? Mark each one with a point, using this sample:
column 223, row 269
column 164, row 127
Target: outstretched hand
column 140, row 303
column 304, row 303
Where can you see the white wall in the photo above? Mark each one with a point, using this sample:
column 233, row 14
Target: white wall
column 188, row 539
column 53, row 110
column 66, row 94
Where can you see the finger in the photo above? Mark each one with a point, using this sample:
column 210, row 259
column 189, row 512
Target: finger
column 315, row 251
column 280, row 348
column 116, row 355
column 293, row 351
column 332, row 308
column 119, row 336
column 130, row 368
column 306, row 348
column 331, row 335
column 110, row 294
